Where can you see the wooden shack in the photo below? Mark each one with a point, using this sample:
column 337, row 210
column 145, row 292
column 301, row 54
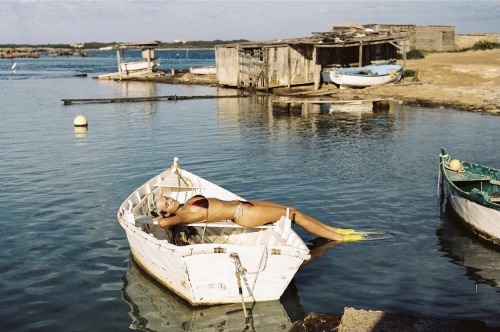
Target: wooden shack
column 439, row 38
column 291, row 62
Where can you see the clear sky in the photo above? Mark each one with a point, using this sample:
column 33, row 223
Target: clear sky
column 73, row 21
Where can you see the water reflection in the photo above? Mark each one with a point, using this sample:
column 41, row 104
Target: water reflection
column 81, row 132
column 480, row 260
column 154, row 308
column 309, row 119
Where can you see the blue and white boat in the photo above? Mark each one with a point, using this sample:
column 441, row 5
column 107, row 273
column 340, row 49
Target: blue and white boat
column 361, row 77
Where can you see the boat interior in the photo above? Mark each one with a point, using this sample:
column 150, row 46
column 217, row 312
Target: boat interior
column 478, row 181
column 201, row 233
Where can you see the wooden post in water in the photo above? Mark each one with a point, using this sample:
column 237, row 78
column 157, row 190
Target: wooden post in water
column 118, row 60
column 360, row 59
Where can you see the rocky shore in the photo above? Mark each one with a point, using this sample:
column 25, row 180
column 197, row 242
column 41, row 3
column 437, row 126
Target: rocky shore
column 354, row 320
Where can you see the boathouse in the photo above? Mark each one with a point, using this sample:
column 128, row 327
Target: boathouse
column 291, row 62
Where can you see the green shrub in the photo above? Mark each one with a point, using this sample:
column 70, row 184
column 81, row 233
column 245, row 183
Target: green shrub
column 485, row 45
column 409, row 73
column 415, row 54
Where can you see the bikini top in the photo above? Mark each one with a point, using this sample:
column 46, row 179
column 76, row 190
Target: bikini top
column 202, row 203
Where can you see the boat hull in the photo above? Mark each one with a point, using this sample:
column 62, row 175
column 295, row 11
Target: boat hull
column 139, row 65
column 360, row 77
column 153, row 308
column 480, row 215
column 243, row 264
column 207, row 70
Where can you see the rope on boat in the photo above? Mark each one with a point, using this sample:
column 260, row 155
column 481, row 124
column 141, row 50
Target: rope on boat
column 240, row 274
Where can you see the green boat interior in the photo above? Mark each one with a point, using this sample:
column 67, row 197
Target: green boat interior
column 479, row 181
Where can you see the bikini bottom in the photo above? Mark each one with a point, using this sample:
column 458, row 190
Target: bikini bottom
column 239, row 210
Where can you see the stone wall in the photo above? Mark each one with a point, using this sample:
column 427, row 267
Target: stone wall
column 468, row 40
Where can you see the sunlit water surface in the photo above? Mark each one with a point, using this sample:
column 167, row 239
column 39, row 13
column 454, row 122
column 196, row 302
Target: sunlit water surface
column 65, row 261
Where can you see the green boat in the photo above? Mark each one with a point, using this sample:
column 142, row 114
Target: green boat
column 473, row 191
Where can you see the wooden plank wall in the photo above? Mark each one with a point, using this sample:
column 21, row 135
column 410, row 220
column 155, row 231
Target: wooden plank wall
column 227, row 65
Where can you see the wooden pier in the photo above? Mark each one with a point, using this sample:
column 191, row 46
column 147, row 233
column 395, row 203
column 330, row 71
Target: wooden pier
column 139, row 99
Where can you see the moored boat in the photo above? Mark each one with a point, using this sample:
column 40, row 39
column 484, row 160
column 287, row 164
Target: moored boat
column 206, row 70
column 473, row 192
column 144, row 64
column 360, row 77
column 209, row 263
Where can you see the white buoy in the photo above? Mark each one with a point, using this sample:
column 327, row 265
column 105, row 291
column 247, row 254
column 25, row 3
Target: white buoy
column 80, row 121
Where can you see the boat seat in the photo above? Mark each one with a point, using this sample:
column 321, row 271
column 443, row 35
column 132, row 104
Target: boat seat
column 495, row 196
column 466, row 177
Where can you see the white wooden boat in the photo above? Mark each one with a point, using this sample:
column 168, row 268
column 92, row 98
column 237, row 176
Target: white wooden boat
column 140, row 65
column 217, row 262
column 207, row 70
column 473, row 191
column 360, row 77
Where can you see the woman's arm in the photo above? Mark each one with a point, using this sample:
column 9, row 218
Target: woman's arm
column 169, row 221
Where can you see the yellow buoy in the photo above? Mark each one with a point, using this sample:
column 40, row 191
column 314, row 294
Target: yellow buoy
column 455, row 165
column 80, row 121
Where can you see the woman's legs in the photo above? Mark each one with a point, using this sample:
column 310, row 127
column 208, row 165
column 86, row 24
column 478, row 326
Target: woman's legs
column 341, row 231
column 263, row 212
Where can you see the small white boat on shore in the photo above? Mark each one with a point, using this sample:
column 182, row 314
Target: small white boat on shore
column 215, row 263
column 144, row 64
column 361, row 77
column 207, row 70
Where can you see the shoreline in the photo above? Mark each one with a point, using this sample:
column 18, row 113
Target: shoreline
column 360, row 320
column 467, row 81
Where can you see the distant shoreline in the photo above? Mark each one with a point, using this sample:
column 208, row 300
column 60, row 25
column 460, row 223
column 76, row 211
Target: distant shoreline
column 37, row 52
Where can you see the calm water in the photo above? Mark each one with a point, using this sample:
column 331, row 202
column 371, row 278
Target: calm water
column 65, row 261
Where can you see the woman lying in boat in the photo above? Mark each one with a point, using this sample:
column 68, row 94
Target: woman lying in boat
column 244, row 213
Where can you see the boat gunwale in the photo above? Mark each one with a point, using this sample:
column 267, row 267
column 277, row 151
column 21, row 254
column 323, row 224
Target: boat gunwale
column 463, row 193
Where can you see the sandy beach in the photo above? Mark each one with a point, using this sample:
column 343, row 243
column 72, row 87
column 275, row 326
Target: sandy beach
column 462, row 80
column 468, row 81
